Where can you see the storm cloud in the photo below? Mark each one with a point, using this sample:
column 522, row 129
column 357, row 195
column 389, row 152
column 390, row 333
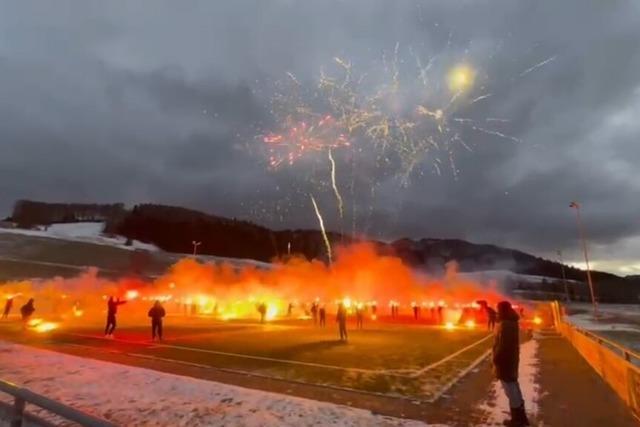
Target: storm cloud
column 153, row 101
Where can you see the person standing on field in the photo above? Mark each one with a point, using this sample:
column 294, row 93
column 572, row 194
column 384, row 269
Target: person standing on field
column 506, row 357
column 341, row 319
column 156, row 313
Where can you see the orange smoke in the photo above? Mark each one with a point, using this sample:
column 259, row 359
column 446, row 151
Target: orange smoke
column 359, row 275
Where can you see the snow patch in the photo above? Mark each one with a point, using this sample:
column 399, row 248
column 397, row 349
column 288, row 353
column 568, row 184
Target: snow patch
column 88, row 232
column 497, row 406
column 129, row 395
column 586, row 321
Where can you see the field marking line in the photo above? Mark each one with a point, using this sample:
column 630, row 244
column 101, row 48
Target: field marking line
column 449, row 357
column 393, row 373
column 164, row 359
column 411, row 399
column 239, row 355
column 460, row 375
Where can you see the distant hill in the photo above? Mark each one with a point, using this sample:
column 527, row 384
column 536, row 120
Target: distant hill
column 173, row 229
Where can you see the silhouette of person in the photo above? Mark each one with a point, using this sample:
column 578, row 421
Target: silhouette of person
column 506, row 357
column 262, row 309
column 156, row 313
column 491, row 315
column 112, row 310
column 26, row 311
column 7, row 308
column 341, row 319
column 322, row 312
column 314, row 312
column 359, row 317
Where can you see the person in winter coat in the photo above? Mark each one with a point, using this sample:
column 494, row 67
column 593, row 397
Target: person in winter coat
column 112, row 310
column 27, row 310
column 156, row 313
column 506, row 357
column 341, row 319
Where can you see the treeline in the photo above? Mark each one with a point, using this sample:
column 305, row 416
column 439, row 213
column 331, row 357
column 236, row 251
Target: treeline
column 28, row 213
column 174, row 229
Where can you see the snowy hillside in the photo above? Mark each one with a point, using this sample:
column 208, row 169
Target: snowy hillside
column 89, row 232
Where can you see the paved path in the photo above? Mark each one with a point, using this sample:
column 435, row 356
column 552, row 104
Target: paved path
column 574, row 394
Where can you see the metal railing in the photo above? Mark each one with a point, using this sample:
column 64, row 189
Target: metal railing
column 22, row 396
column 628, row 354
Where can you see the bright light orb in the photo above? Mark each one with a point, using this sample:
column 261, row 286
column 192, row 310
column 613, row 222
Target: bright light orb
column 460, row 78
column 470, row 324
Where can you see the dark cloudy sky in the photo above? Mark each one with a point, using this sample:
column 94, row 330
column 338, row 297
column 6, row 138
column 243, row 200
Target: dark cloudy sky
column 154, row 101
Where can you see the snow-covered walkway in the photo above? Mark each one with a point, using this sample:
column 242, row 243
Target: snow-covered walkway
column 135, row 396
column 497, row 406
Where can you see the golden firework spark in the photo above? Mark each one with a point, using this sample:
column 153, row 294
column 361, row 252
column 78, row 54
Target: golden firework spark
column 334, row 184
column 322, row 229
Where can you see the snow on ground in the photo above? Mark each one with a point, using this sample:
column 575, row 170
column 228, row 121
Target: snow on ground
column 586, row 321
column 497, row 406
column 129, row 395
column 88, row 232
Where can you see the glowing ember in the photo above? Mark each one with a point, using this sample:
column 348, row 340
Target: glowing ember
column 272, row 312
column 34, row 322
column 449, row 326
column 537, row 320
column 46, row 327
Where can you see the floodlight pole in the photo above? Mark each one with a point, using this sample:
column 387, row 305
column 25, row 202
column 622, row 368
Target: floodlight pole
column 195, row 246
column 583, row 237
column 564, row 277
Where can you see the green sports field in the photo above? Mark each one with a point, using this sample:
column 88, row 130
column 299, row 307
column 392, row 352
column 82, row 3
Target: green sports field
column 412, row 361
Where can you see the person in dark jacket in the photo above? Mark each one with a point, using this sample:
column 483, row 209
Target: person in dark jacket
column 341, row 319
column 7, row 308
column 156, row 313
column 491, row 318
column 27, row 310
column 112, row 310
column 506, row 357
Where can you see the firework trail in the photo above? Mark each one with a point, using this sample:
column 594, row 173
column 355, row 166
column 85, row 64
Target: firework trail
column 480, row 98
column 322, row 229
column 335, row 185
column 538, row 65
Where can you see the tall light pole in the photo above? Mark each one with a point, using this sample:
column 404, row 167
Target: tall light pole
column 564, row 277
column 195, row 246
column 583, row 237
